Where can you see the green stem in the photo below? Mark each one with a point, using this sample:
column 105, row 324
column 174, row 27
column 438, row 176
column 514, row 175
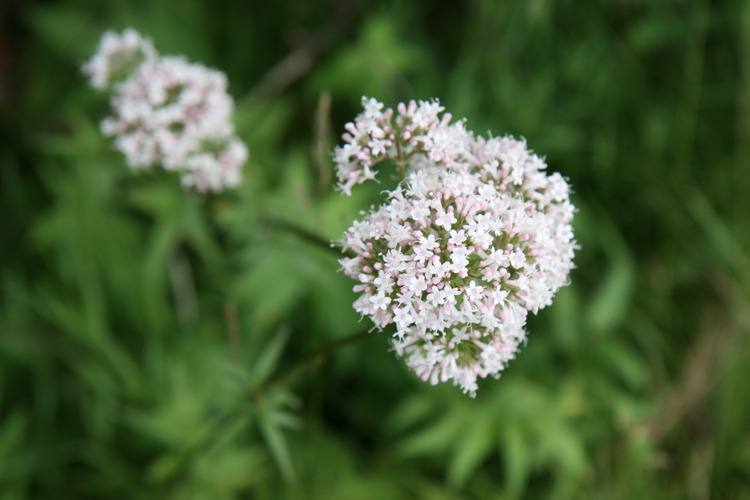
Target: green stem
column 401, row 163
column 313, row 359
column 308, row 236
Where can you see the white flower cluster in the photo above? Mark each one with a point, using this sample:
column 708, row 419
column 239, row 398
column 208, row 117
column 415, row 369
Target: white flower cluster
column 474, row 237
column 168, row 111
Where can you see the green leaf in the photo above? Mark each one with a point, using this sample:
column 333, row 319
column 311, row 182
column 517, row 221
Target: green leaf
column 473, row 446
column 267, row 360
column 514, row 450
column 612, row 299
column 435, row 438
column 277, row 443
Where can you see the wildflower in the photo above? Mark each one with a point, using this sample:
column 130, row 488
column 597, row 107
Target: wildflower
column 169, row 112
column 470, row 241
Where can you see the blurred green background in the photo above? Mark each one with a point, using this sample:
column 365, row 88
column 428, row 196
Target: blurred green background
column 142, row 328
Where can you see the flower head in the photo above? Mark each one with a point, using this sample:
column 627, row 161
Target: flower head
column 171, row 112
column 464, row 247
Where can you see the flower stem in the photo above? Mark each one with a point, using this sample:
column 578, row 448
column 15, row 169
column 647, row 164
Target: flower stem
column 307, row 235
column 400, row 161
column 313, row 359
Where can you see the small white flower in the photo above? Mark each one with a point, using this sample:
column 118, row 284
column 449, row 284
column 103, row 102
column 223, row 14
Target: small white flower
column 429, row 242
column 380, row 301
column 446, row 220
column 417, row 284
column 402, row 317
column 457, row 237
column 473, row 292
column 517, row 259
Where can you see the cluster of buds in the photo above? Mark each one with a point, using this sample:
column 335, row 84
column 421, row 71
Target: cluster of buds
column 167, row 111
column 474, row 237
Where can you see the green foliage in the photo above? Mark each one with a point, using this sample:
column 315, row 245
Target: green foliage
column 155, row 343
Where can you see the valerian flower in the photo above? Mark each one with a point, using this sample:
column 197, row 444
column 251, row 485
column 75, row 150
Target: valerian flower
column 168, row 111
column 474, row 237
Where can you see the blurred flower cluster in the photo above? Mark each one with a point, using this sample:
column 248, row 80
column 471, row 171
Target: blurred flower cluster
column 167, row 111
column 474, row 237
